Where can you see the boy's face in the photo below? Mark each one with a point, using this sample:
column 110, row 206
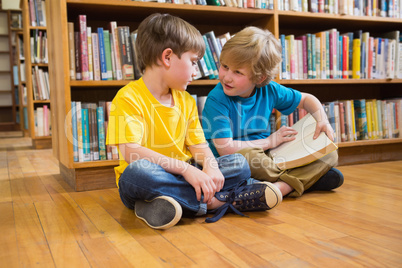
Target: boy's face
column 182, row 70
column 236, row 81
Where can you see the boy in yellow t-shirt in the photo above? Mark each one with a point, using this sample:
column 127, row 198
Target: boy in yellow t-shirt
column 166, row 167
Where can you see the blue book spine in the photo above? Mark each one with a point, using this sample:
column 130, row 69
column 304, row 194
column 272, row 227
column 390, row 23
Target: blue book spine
column 85, row 134
column 75, row 132
column 283, row 63
column 361, row 118
column 101, row 133
column 102, row 55
column 313, row 64
column 210, row 56
column 331, row 117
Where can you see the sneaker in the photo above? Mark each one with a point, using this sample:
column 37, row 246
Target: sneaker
column 254, row 197
column 331, row 180
column 160, row 213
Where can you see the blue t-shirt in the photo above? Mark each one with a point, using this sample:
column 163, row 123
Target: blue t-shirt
column 245, row 118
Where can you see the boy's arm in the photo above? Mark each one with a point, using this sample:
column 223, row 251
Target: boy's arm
column 312, row 105
column 201, row 182
column 226, row 146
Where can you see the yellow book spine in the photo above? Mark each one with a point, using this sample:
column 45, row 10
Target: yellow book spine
column 374, row 111
column 356, row 59
column 369, row 120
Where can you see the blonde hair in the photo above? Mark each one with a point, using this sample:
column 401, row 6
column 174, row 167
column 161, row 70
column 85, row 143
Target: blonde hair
column 256, row 49
column 160, row 31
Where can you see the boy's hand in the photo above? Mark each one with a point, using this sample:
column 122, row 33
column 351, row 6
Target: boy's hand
column 216, row 175
column 284, row 134
column 324, row 126
column 202, row 183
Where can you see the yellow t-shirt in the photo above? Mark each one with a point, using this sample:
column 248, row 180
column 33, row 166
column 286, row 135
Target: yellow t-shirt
column 137, row 117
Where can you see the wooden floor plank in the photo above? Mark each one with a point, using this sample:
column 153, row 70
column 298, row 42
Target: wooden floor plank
column 33, row 249
column 126, row 244
column 8, row 240
column 59, row 237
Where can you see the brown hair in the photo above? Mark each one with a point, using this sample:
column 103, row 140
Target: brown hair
column 160, row 31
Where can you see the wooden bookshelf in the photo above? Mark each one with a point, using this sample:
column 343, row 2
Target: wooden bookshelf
column 9, row 107
column 38, row 141
column 100, row 174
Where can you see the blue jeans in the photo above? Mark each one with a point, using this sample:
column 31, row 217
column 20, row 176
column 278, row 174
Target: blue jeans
column 143, row 180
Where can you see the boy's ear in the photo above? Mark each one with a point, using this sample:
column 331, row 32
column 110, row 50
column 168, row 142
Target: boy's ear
column 166, row 57
column 261, row 79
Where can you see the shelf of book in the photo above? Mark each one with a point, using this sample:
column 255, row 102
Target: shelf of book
column 36, row 69
column 339, row 81
column 220, row 19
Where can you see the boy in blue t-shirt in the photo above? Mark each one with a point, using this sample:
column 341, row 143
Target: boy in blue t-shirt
column 237, row 111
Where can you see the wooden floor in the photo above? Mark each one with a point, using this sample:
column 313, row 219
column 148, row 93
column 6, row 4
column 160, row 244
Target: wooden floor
column 44, row 223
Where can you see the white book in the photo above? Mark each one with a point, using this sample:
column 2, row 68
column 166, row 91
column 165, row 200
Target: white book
column 95, row 57
column 40, row 121
column 303, row 149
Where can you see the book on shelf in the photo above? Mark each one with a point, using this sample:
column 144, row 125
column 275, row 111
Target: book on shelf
column 304, row 149
column 89, row 124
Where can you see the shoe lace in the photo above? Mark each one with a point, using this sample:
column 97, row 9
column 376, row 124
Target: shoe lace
column 228, row 205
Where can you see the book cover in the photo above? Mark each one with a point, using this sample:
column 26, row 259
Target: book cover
column 304, row 149
column 133, row 38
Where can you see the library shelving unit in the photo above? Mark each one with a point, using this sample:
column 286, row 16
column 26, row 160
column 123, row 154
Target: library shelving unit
column 15, row 18
column 22, row 91
column 39, row 140
column 100, row 174
column 8, row 99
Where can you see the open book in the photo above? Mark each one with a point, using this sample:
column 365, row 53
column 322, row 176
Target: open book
column 304, row 149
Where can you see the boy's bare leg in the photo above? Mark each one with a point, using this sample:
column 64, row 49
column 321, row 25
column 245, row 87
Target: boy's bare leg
column 283, row 187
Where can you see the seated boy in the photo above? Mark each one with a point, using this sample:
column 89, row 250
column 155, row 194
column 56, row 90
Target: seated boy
column 237, row 111
column 166, row 166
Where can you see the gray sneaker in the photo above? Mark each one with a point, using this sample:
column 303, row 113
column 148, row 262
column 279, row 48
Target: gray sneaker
column 160, row 213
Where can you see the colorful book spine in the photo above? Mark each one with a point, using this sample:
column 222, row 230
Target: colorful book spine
column 90, row 54
column 101, row 133
column 78, row 113
column 74, row 129
column 361, row 118
column 108, row 54
column 125, row 53
column 115, row 48
column 102, row 56
column 82, row 24
column 356, row 71
column 96, row 63
column 85, row 135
